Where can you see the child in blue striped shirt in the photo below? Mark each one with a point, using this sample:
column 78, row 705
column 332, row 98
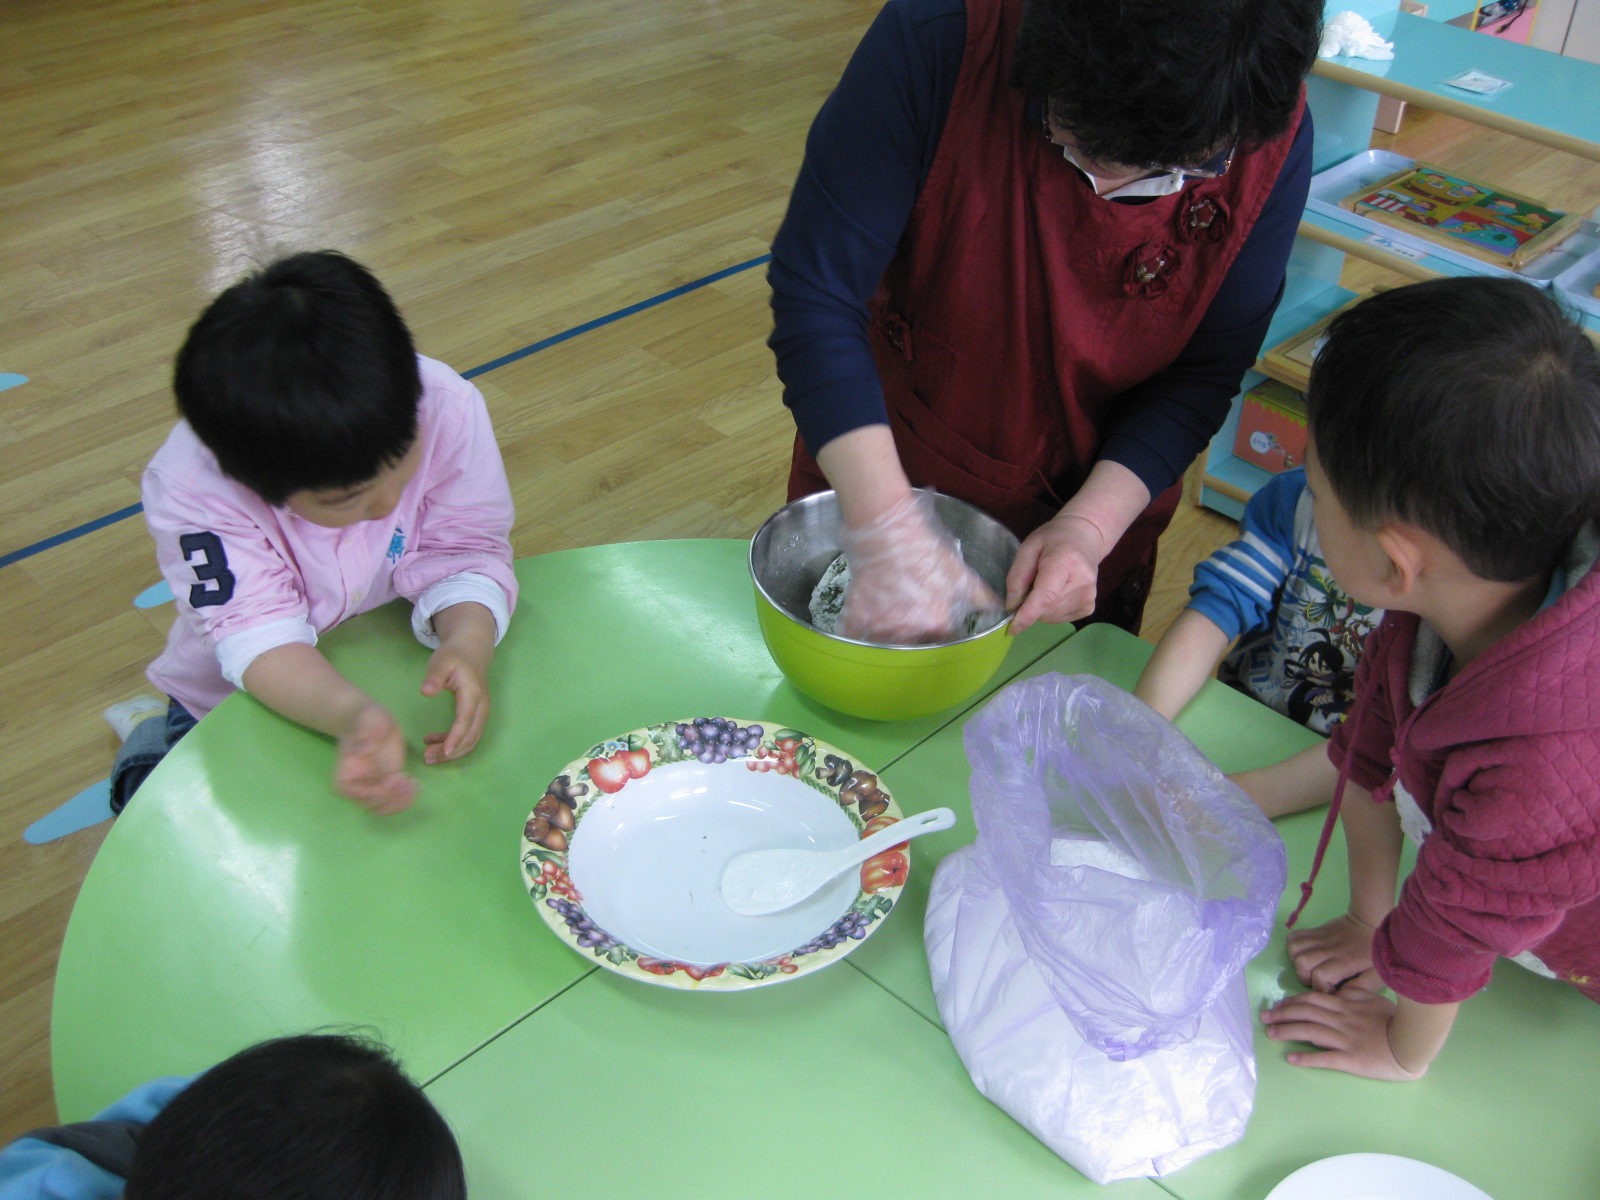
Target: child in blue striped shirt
column 1298, row 635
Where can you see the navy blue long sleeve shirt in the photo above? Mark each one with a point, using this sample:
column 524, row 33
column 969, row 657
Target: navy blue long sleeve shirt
column 867, row 155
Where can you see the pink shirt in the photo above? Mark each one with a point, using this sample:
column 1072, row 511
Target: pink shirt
column 249, row 576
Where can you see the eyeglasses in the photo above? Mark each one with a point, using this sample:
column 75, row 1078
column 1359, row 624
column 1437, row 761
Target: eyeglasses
column 1214, row 167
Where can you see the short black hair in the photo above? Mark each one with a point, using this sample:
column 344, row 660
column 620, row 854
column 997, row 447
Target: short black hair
column 301, row 376
column 309, row 1117
column 1167, row 82
column 1469, row 407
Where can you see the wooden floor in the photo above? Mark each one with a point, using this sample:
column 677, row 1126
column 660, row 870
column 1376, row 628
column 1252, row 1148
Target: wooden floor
column 511, row 171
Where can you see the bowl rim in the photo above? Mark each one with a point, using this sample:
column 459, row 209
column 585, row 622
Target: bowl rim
column 755, row 579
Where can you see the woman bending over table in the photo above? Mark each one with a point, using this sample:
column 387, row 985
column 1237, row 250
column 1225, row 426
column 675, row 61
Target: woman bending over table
column 1032, row 249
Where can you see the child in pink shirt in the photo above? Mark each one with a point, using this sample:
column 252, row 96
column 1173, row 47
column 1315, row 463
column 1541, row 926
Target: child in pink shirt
column 321, row 469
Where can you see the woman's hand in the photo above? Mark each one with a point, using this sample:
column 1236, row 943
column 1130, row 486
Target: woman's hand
column 1056, row 572
column 908, row 582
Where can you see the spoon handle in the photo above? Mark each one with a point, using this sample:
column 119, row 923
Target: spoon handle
column 931, row 821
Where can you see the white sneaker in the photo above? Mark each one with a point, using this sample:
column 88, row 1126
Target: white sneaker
column 125, row 714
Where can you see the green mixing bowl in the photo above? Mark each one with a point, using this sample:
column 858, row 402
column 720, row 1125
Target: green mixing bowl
column 882, row 683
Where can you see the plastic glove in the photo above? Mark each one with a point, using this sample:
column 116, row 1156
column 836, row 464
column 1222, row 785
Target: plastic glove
column 908, row 582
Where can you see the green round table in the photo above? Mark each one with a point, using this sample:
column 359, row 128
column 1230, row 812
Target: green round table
column 240, row 898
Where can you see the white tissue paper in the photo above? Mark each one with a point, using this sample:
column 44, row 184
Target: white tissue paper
column 1352, row 36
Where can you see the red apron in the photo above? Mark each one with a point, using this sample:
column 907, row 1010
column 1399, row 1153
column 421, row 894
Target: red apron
column 1020, row 306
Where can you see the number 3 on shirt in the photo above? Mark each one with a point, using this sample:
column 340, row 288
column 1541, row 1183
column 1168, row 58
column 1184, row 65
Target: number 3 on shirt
column 212, row 569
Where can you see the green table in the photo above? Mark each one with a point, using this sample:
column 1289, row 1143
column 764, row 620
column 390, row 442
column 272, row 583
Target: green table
column 1513, row 1103
column 239, row 898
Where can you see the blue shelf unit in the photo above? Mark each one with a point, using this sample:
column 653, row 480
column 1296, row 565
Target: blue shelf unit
column 1546, row 94
column 1305, row 301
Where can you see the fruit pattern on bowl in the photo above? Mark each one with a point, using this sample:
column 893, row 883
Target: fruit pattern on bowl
column 609, row 766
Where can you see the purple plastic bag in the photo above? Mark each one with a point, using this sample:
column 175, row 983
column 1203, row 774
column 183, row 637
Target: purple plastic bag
column 1078, row 789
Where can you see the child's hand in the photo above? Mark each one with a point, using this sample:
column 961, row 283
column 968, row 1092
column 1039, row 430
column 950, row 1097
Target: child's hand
column 463, row 670
column 372, row 760
column 1352, row 1029
column 1336, row 956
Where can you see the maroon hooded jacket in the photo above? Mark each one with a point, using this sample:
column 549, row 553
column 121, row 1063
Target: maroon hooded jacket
column 1504, row 761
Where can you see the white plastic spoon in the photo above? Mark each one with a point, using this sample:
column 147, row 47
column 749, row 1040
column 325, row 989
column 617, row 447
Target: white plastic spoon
column 769, row 881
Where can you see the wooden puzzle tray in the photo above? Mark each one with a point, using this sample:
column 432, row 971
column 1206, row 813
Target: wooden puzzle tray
column 1488, row 223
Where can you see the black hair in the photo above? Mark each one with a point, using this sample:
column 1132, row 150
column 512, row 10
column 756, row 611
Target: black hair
column 313, row 1117
column 1469, row 407
column 1167, row 82
column 301, row 376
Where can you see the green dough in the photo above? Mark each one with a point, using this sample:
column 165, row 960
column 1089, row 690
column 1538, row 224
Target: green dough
column 827, row 598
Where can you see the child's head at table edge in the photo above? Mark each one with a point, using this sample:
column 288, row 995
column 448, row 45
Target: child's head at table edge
column 1466, row 410
column 302, row 380
column 319, row 1116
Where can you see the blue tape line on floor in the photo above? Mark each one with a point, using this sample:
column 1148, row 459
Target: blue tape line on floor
column 88, row 807
column 154, row 596
column 8, row 380
column 132, row 510
column 50, row 543
column 673, row 294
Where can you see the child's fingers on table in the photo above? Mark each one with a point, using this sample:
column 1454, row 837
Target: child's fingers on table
column 1335, row 971
column 1307, row 958
column 355, row 771
column 437, row 677
column 383, row 794
column 1311, row 1017
column 1339, row 1010
column 1328, row 955
column 1352, row 1032
column 472, row 712
column 393, row 795
column 359, row 770
column 1307, row 1033
column 1329, row 933
column 1363, row 983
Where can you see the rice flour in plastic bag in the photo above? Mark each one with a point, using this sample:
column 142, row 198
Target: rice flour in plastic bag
column 1087, row 952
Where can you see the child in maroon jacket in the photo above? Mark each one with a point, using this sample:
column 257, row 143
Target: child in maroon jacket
column 1455, row 464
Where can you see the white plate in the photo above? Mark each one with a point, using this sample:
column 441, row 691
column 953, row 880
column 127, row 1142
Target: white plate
column 1374, row 1177
column 624, row 853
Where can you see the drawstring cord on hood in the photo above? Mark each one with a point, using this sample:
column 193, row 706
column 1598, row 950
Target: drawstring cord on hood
column 1330, row 822
column 1322, row 847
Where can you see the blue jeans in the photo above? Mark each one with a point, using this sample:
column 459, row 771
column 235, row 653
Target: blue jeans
column 146, row 746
